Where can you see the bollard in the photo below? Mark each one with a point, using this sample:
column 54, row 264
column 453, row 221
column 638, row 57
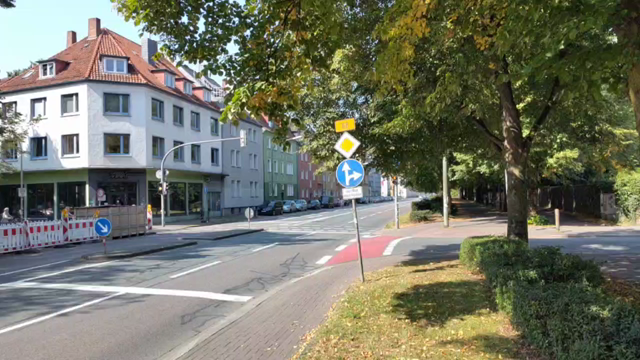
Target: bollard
column 557, row 214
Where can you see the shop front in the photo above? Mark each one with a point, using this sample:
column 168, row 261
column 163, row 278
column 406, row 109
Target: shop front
column 126, row 187
column 48, row 192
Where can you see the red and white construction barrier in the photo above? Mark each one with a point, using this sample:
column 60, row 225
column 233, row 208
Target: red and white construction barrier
column 43, row 234
column 82, row 230
column 12, row 238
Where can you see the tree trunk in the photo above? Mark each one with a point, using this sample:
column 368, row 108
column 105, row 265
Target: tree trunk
column 634, row 93
column 515, row 158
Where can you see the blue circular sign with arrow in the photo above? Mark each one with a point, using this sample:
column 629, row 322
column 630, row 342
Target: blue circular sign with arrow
column 350, row 173
column 103, row 227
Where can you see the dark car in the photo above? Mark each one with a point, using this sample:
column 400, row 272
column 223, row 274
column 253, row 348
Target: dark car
column 272, row 208
column 327, row 202
column 314, row 205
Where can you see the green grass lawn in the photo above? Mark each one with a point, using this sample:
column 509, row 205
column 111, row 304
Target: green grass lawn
column 404, row 221
column 433, row 311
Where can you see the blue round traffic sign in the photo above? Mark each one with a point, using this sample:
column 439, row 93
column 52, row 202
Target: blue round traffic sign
column 103, row 227
column 350, row 173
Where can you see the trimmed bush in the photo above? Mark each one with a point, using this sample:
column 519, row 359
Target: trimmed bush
column 555, row 300
column 538, row 220
column 421, row 205
column 420, row 216
column 435, row 205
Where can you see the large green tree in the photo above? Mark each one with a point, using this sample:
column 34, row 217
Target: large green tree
column 499, row 67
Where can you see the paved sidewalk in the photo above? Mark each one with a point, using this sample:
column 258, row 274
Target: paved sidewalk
column 274, row 328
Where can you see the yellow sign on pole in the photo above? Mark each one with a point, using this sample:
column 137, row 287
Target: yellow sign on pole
column 345, row 125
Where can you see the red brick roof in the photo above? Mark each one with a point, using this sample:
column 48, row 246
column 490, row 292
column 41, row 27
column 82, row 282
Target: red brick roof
column 84, row 64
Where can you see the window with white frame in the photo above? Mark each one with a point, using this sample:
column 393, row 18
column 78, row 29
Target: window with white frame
column 289, row 190
column 115, row 65
column 255, row 161
column 9, row 109
column 269, row 143
column 233, row 158
column 69, row 104
column 188, row 88
column 207, row 95
column 38, row 108
column 39, row 148
column 116, row 104
column 282, row 168
column 70, row 145
column 47, row 70
column 9, row 150
column 238, row 190
column 275, row 166
column 275, row 190
column 215, row 156
column 195, row 154
column 238, row 159
column 170, row 80
column 157, row 109
column 116, row 144
column 255, row 188
column 157, row 147
column 289, row 169
column 234, row 190
column 268, row 165
column 178, row 116
column 195, row 121
column 178, row 154
column 214, row 126
column 250, row 161
column 302, row 175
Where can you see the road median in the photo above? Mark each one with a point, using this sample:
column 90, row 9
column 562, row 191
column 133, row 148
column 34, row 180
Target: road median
column 223, row 234
column 141, row 251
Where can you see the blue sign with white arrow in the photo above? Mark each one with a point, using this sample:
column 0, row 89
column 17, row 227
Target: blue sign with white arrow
column 350, row 173
column 103, row 227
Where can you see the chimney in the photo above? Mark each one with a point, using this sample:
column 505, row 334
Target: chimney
column 149, row 49
column 94, row 28
column 71, row 38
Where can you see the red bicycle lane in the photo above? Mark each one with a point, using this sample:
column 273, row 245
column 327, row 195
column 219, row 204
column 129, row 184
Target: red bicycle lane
column 371, row 248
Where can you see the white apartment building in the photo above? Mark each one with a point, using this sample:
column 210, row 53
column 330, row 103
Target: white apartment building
column 108, row 113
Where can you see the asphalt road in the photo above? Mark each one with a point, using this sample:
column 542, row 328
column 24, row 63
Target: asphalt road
column 53, row 305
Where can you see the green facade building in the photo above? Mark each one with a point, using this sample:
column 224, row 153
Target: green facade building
column 280, row 169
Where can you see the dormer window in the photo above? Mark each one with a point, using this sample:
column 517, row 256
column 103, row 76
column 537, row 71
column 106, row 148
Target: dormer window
column 115, row 65
column 187, row 88
column 47, row 70
column 207, row 95
column 170, row 80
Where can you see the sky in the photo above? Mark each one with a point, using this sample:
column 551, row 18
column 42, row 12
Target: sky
column 37, row 29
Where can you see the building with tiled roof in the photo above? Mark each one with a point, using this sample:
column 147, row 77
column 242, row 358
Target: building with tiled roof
column 109, row 109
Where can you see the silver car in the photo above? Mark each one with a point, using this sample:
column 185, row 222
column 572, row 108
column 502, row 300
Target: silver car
column 289, row 206
column 301, row 205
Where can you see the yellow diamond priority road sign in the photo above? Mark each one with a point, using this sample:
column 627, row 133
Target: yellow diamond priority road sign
column 345, row 125
column 347, row 145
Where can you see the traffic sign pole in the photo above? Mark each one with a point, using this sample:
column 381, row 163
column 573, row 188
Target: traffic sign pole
column 355, row 221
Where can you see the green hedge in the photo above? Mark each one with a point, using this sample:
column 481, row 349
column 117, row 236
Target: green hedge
column 538, row 220
column 434, row 204
column 420, row 216
column 555, row 300
column 627, row 189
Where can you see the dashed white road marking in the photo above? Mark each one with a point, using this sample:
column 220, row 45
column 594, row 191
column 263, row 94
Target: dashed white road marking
column 392, row 245
column 67, row 270
column 323, row 260
column 130, row 290
column 195, row 269
column 61, row 312
column 353, row 240
column 265, row 247
column 34, row 267
column 341, row 247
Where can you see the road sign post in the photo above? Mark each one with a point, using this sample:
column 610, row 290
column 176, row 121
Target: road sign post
column 355, row 221
column 249, row 213
column 103, row 229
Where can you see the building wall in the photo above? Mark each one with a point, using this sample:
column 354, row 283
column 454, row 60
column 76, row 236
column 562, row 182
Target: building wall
column 244, row 173
column 305, row 182
column 279, row 177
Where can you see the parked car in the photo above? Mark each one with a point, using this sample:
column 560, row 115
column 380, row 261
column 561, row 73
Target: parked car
column 314, row 205
column 327, row 202
column 289, row 206
column 338, row 202
column 301, row 205
column 363, row 200
column 272, row 208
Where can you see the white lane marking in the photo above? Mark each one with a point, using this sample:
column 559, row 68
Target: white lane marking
column 34, row 267
column 368, row 236
column 307, row 234
column 195, row 269
column 392, row 245
column 130, row 290
column 353, row 240
column 64, row 311
column 341, row 247
column 310, row 274
column 265, row 247
column 323, row 260
column 66, row 271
